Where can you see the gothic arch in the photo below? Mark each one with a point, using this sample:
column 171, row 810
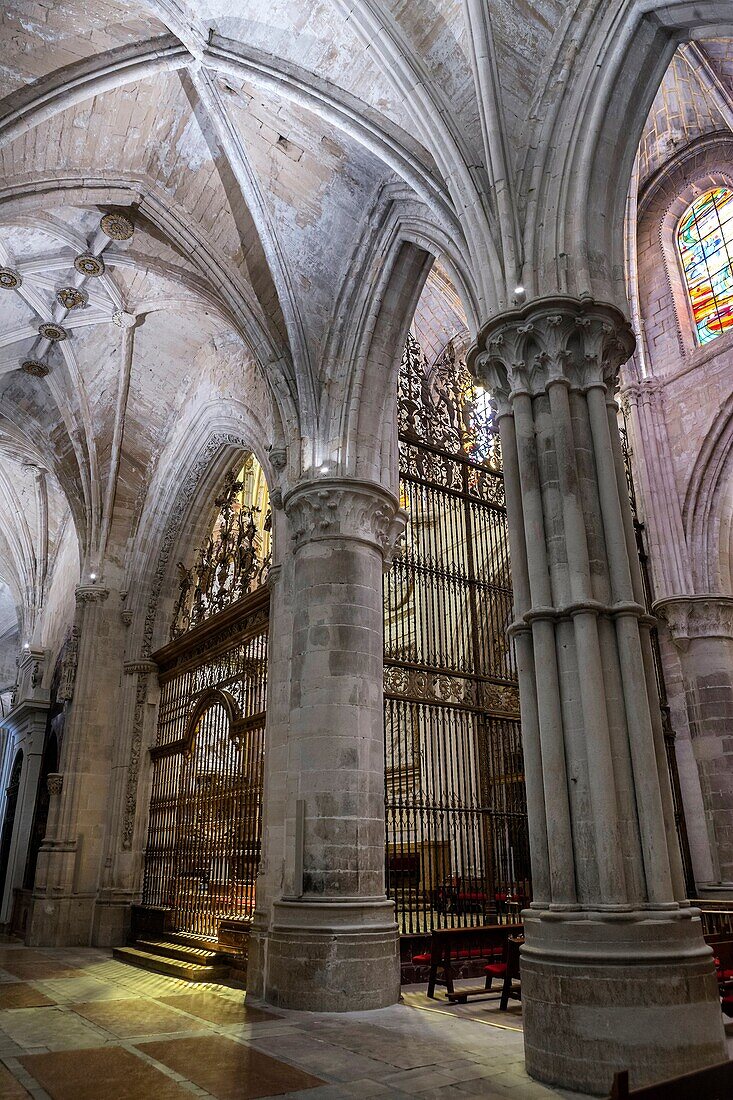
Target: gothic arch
column 181, row 504
column 609, row 61
column 708, row 508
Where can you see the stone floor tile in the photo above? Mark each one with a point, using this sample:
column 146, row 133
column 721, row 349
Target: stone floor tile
column 22, row 995
column 108, row 1071
column 228, row 1070
column 217, row 1010
column 136, row 1017
column 10, row 1086
column 417, row 1081
column 52, row 1028
column 79, row 988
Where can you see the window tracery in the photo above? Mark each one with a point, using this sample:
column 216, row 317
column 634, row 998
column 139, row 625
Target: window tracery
column 705, row 244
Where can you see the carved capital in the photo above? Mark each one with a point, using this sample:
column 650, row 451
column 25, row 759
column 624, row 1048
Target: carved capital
column 90, row 593
column 578, row 342
column 342, row 508
column 54, row 782
column 690, row 617
column 143, row 667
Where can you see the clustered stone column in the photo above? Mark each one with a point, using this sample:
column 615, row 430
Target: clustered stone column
column 701, row 628
column 332, row 942
column 615, row 973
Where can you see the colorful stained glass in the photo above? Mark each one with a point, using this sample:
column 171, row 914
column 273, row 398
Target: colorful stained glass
column 705, row 241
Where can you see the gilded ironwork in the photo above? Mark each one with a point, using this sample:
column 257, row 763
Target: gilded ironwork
column 203, row 848
column 233, row 561
column 457, row 846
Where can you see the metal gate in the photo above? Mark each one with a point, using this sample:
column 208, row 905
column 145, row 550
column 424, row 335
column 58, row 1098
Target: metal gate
column 204, row 828
column 457, row 841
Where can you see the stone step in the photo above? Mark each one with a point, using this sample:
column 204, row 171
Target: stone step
column 190, row 939
column 171, row 966
column 171, row 947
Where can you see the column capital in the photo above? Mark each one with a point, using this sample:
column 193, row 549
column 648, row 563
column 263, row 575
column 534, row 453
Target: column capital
column 690, row 617
column 576, row 341
column 54, row 782
column 344, row 508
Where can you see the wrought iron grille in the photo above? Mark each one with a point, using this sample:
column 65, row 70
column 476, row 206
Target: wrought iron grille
column 204, row 826
column 669, row 734
column 235, row 558
column 457, row 846
column 204, row 829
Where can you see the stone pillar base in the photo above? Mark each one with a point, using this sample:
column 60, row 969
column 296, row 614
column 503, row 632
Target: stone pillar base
column 339, row 955
column 60, row 921
column 112, row 919
column 603, row 992
column 257, row 959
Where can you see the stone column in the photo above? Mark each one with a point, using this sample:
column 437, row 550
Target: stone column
column 333, row 941
column 701, row 628
column 615, row 973
column 65, row 893
column 125, row 838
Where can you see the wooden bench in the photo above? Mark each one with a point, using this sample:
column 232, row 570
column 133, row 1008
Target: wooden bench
column 507, row 971
column 451, row 946
column 713, row 1083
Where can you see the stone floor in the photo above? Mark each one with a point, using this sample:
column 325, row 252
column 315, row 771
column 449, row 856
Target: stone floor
column 77, row 1025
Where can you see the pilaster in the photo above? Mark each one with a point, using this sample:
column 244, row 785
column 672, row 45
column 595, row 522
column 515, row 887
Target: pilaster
column 609, row 941
column 701, row 628
column 68, row 874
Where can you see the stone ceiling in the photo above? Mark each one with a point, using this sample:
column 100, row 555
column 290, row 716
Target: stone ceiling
column 195, row 197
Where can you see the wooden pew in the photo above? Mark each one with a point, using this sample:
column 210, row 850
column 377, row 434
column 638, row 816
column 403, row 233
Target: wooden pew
column 451, row 946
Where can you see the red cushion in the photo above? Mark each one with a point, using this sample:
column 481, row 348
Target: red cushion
column 497, row 970
column 421, row 958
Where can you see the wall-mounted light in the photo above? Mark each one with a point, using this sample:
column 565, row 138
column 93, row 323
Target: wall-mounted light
column 323, row 469
column 92, row 577
column 26, row 645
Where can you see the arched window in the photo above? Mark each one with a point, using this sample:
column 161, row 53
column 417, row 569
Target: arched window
column 705, row 242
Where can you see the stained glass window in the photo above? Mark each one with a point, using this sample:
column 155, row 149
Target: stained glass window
column 705, row 241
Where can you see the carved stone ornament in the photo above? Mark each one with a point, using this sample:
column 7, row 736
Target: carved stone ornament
column 9, row 279
column 70, row 297
column 54, row 783
column 70, row 660
column 141, row 667
column 133, row 767
column 89, row 265
column 117, row 227
column 91, row 593
column 690, row 617
column 34, row 367
column 580, row 342
column 49, row 330
column 344, row 508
